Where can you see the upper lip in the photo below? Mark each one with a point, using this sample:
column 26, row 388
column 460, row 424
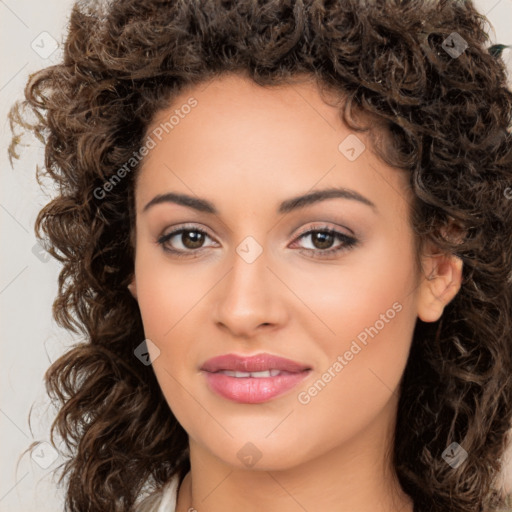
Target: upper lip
column 256, row 363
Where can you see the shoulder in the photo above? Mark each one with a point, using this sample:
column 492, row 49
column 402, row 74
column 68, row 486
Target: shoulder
column 163, row 500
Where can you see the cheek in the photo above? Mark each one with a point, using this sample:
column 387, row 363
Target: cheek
column 371, row 313
column 360, row 381
column 170, row 298
column 166, row 298
column 362, row 363
column 167, row 292
column 361, row 292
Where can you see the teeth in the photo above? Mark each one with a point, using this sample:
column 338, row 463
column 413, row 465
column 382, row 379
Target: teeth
column 230, row 373
column 265, row 373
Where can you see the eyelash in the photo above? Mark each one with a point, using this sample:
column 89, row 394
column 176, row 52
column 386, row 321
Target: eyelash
column 348, row 241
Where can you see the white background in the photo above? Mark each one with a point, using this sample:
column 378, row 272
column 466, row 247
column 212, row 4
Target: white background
column 28, row 284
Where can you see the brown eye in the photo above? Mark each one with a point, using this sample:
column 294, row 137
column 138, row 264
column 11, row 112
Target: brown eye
column 322, row 240
column 189, row 241
column 183, row 240
column 196, row 240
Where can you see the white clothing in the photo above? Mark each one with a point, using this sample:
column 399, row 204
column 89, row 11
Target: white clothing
column 164, row 500
column 169, row 495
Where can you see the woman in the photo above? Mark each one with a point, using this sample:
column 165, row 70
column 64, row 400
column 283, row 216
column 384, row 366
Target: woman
column 285, row 230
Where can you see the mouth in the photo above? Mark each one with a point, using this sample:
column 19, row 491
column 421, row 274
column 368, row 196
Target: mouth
column 252, row 364
column 254, row 379
column 255, row 375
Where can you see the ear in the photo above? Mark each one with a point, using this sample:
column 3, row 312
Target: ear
column 133, row 287
column 440, row 284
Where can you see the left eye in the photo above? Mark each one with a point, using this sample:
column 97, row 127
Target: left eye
column 192, row 239
column 323, row 238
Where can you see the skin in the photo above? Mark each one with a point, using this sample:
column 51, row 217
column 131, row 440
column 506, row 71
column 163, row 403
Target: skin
column 246, row 148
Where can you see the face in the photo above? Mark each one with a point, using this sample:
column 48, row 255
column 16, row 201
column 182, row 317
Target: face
column 330, row 284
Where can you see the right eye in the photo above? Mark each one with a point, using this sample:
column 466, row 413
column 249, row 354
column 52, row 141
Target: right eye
column 190, row 238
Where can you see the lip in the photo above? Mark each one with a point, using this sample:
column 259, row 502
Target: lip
column 252, row 390
column 255, row 363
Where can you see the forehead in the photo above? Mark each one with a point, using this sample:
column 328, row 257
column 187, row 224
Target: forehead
column 242, row 138
column 233, row 104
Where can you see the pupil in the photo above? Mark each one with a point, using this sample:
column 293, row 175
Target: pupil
column 195, row 235
column 326, row 242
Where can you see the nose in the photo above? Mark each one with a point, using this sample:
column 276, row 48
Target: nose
column 250, row 297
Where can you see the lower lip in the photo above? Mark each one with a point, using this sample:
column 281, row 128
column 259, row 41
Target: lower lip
column 253, row 390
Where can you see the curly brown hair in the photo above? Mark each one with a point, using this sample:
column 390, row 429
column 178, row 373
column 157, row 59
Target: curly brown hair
column 448, row 118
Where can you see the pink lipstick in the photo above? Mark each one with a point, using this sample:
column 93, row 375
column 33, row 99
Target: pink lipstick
column 253, row 379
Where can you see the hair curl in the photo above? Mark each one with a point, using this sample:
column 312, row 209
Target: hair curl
column 449, row 122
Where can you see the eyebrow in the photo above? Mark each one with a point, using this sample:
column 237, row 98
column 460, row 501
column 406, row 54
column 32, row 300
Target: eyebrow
column 295, row 203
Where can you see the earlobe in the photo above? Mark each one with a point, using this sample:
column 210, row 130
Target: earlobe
column 133, row 288
column 439, row 286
